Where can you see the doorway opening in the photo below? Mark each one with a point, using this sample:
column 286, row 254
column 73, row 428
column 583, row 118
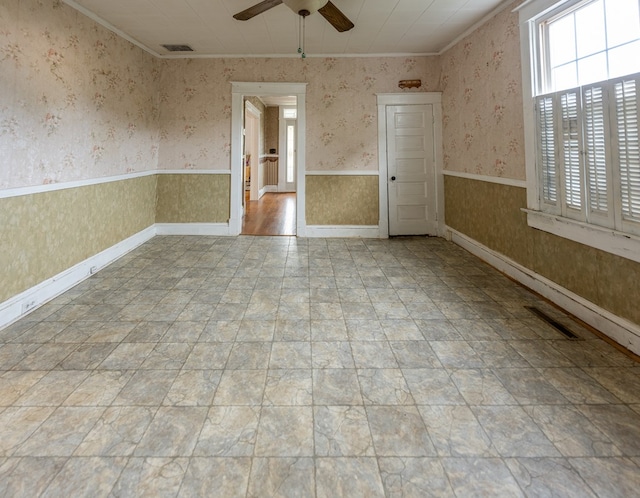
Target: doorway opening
column 273, row 214
column 267, row 158
column 270, row 129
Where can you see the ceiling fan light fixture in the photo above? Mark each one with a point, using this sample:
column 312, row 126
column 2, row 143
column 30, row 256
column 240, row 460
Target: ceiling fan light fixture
column 303, row 8
column 310, row 6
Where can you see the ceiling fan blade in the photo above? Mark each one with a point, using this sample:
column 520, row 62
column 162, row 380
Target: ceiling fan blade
column 336, row 18
column 258, row 8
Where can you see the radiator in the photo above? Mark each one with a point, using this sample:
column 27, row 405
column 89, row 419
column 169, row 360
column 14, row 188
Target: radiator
column 271, row 173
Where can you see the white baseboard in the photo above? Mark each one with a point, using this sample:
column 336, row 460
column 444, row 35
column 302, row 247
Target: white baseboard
column 219, row 229
column 31, row 299
column 366, row 231
column 267, row 188
column 622, row 331
column 24, row 303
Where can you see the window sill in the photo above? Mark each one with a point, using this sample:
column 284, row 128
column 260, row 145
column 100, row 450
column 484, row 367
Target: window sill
column 608, row 240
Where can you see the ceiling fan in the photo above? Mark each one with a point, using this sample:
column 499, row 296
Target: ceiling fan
column 303, row 8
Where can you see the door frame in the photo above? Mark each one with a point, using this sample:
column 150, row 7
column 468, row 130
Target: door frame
column 417, row 98
column 239, row 90
column 254, row 146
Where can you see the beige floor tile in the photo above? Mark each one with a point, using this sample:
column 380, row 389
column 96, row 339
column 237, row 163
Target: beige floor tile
column 278, row 366
column 348, row 477
column 151, row 477
column 282, row 477
column 285, row 431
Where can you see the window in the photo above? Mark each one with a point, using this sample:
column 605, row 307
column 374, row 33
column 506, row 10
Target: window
column 291, row 152
column 589, row 153
column 584, row 70
column 290, row 113
column 591, row 41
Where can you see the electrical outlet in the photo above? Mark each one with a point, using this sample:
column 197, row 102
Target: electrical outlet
column 26, row 307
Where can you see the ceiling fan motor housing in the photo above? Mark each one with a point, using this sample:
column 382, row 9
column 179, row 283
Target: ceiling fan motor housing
column 310, row 6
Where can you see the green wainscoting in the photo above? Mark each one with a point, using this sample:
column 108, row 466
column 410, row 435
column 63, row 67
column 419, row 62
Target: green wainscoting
column 46, row 233
column 193, row 198
column 342, row 200
column 492, row 214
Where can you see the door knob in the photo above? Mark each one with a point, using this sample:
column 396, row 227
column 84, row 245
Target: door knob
column 393, row 178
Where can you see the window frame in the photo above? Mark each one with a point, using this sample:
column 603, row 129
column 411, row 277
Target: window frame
column 556, row 221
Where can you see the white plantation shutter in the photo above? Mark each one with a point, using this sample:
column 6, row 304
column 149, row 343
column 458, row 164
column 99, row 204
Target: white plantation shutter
column 581, row 70
column 598, row 183
column 571, row 156
column 589, row 153
column 547, row 150
column 628, row 146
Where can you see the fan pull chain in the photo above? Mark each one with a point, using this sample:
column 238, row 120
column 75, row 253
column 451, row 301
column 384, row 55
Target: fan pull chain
column 304, row 20
column 300, row 18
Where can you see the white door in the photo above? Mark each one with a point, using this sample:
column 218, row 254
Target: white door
column 411, row 170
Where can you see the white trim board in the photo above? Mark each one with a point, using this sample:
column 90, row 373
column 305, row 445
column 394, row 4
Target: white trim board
column 605, row 239
column 477, row 25
column 343, row 173
column 217, row 229
column 51, row 187
column 297, row 56
column 489, row 179
column 342, row 231
column 193, row 172
column 96, row 18
column 24, row 303
column 267, row 188
column 414, row 98
column 31, row 299
column 620, row 330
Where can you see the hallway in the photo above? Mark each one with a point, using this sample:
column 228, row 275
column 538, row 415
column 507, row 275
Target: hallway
column 274, row 214
column 278, row 366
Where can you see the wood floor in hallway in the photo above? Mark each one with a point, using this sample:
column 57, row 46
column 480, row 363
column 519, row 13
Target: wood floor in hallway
column 273, row 214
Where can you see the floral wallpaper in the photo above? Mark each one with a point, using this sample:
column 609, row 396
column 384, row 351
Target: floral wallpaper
column 94, row 105
column 78, row 101
column 195, row 106
column 481, row 83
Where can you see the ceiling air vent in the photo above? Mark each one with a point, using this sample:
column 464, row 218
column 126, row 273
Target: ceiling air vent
column 178, row 48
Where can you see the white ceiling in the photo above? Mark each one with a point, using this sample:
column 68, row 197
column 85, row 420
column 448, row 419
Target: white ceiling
column 381, row 26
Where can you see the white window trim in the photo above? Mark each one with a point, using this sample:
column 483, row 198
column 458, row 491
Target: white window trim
column 608, row 240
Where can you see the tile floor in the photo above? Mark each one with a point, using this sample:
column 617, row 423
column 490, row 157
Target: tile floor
column 204, row 366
